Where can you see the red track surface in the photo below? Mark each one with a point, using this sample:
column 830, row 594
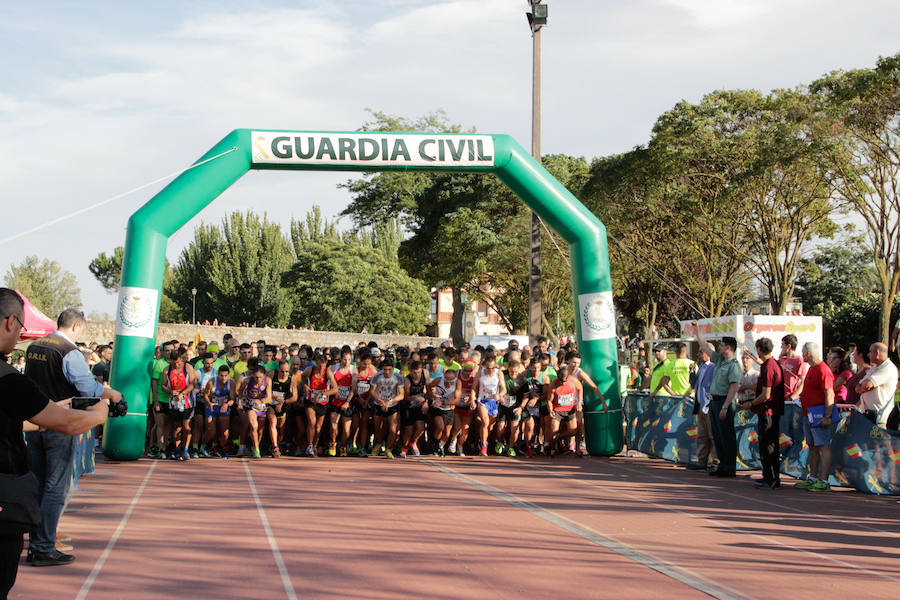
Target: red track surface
column 463, row 528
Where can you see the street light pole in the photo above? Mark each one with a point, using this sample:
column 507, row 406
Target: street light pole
column 194, row 305
column 536, row 20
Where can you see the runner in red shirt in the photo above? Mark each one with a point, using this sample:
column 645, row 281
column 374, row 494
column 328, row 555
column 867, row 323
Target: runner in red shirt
column 562, row 401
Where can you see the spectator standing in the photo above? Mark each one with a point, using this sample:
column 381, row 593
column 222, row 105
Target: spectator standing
column 706, row 450
column 101, row 369
column 794, row 367
column 767, row 403
column 862, row 364
column 661, row 353
column 60, row 371
column 676, row 373
column 723, row 391
column 818, row 390
column 839, row 363
column 747, row 385
column 876, row 389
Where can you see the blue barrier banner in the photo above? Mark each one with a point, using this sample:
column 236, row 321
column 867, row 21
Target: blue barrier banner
column 864, row 456
column 84, row 454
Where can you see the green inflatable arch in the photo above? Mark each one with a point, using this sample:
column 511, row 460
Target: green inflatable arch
column 149, row 229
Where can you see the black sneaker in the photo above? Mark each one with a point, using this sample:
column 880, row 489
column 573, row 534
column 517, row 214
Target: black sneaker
column 762, row 484
column 50, row 559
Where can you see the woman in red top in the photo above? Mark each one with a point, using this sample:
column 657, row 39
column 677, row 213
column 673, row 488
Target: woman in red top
column 341, row 409
column 465, row 408
column 562, row 401
column 365, row 410
column 320, row 386
column 839, row 362
column 178, row 381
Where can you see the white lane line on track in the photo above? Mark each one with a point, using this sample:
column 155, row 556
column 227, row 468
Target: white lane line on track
column 607, row 541
column 721, row 524
column 761, row 501
column 282, row 570
column 86, row 586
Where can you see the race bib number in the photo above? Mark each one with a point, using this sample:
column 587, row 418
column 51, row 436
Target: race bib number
column 178, row 403
column 363, row 387
column 509, row 401
column 343, row 392
column 566, row 400
column 279, row 395
column 317, row 396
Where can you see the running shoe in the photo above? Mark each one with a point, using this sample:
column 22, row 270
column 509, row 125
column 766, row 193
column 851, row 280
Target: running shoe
column 483, row 451
column 363, row 453
column 805, row 484
column 276, row 453
column 332, row 449
column 153, row 453
column 187, row 455
column 377, row 449
column 451, row 449
column 205, row 453
column 256, row 453
column 243, row 451
column 820, row 486
column 403, row 453
column 311, row 451
column 498, row 448
column 414, row 449
column 529, row 452
column 388, row 453
column 439, row 452
column 343, row 451
column 193, row 453
column 510, row 451
column 178, row 455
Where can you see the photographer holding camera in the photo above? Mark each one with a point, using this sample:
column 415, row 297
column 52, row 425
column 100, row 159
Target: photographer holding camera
column 59, row 370
column 21, row 400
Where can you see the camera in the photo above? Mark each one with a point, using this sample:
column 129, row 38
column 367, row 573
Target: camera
column 116, row 409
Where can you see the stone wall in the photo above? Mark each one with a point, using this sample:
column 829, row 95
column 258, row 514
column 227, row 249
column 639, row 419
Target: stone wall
column 104, row 331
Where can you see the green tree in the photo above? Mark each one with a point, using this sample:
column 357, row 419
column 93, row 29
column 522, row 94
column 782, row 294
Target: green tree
column 353, row 283
column 107, row 270
column 46, row 284
column 237, row 270
column 836, row 275
column 857, row 321
column 863, row 106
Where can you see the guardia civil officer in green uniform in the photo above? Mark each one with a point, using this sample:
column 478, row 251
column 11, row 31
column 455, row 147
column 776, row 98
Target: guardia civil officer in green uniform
column 723, row 395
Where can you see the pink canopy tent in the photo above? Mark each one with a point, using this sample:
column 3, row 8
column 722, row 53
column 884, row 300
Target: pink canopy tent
column 36, row 323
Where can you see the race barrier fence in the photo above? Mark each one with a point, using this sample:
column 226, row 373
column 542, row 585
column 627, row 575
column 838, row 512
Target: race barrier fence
column 865, row 456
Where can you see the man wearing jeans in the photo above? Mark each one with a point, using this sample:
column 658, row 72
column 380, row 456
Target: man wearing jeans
column 59, row 370
column 723, row 390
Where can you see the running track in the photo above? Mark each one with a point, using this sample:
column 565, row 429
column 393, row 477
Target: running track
column 462, row 528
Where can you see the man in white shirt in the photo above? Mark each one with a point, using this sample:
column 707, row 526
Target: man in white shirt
column 876, row 389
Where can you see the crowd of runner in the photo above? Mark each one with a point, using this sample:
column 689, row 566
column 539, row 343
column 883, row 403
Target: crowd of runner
column 254, row 400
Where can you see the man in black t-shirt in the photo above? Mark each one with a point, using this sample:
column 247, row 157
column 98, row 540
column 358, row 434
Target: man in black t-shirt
column 20, row 400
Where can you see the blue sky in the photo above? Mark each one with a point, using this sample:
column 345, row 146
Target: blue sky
column 97, row 98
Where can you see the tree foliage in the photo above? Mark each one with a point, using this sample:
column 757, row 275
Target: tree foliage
column 46, row 284
column 863, row 108
column 237, row 270
column 353, row 283
column 836, row 275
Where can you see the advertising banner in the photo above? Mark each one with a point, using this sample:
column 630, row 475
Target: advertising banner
column 371, row 149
